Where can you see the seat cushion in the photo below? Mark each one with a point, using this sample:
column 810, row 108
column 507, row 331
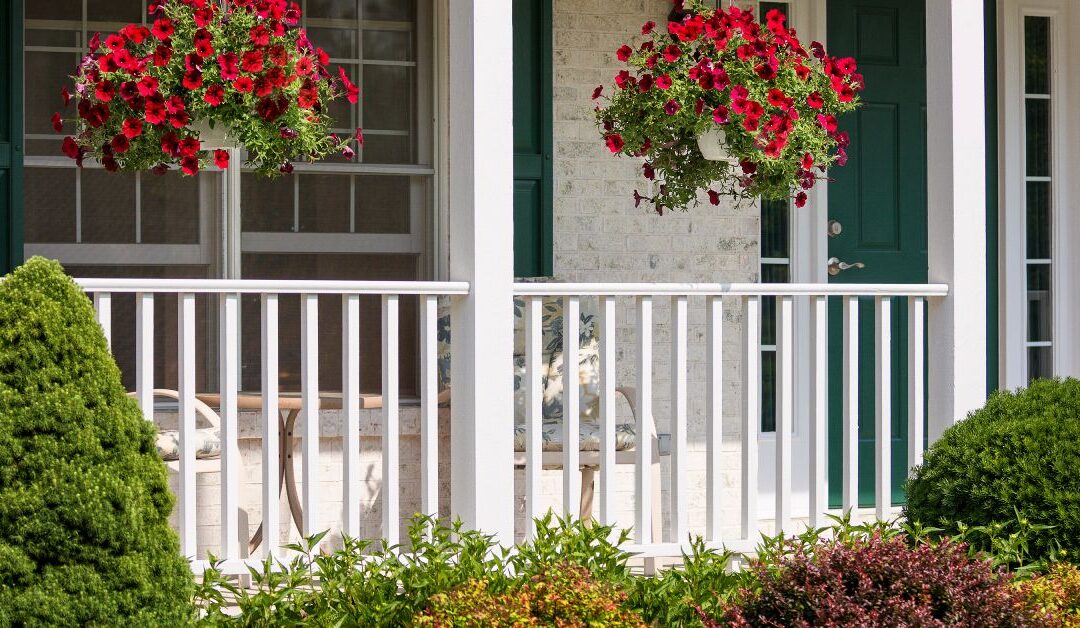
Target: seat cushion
column 588, row 436
column 207, row 443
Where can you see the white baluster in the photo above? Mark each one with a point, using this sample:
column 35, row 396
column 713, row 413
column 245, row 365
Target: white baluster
column 819, row 409
column 534, row 399
column 186, row 396
column 309, row 404
column 429, row 405
column 785, row 415
column 714, row 417
column 678, row 419
column 916, row 379
column 350, row 403
column 851, row 404
column 883, row 406
column 643, row 474
column 103, row 309
column 571, row 406
column 144, row 353
column 751, row 416
column 228, row 306
column 271, row 463
column 607, row 409
column 390, row 470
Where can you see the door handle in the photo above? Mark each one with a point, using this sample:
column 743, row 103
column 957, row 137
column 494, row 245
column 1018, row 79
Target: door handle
column 836, row 266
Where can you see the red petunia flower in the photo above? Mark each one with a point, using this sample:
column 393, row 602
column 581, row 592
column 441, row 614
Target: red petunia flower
column 243, row 85
column 672, row 107
column 648, row 27
column 263, row 86
column 179, row 120
column 623, row 80
column 120, row 143
column 347, row 152
column 359, row 137
column 229, row 64
column 104, row 91
column 162, row 55
column 204, row 49
column 66, row 95
column 286, row 168
column 714, row 198
column 109, row 163
column 672, row 53
column 748, row 167
column 614, row 142
column 148, row 86
column 155, row 112
column 645, row 83
column 221, row 158
column 766, row 71
column 647, row 171
column 802, row 72
column 115, row 42
column 70, row 148
column 807, row 161
column 136, row 33
column 215, row 95
column 189, row 146
column 815, row 101
column 159, row 169
column 132, row 127
column 663, row 81
column 352, row 92
column 720, row 115
column 303, row 66
column 827, row 122
column 596, row 92
column 170, row 145
column 190, row 166
column 95, row 42
column 107, row 63
column 800, row 199
column 57, row 122
column 252, row 61
column 193, row 79
column 259, row 35
column 163, row 28
column 846, row 65
column 278, row 55
column 624, row 52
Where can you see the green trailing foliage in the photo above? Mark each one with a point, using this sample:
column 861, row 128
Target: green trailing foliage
column 1011, row 464
column 84, row 497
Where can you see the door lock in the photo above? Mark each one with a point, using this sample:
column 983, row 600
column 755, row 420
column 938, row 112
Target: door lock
column 836, row 266
column 835, row 228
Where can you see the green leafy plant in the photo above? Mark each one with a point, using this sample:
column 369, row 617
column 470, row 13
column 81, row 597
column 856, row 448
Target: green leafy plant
column 1009, row 466
column 84, row 497
column 704, row 582
column 775, row 103
column 239, row 64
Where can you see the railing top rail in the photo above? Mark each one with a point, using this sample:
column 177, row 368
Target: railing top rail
column 553, row 289
column 247, row 286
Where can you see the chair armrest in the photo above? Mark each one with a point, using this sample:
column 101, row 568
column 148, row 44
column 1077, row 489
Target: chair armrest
column 201, row 409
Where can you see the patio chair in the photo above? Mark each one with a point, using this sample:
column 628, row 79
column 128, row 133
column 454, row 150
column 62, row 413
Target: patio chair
column 207, row 447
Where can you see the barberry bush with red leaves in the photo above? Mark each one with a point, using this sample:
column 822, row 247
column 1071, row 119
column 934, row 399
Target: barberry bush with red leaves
column 776, row 102
column 242, row 64
column 879, row 580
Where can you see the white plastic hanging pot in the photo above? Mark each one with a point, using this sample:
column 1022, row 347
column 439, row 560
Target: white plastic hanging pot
column 217, row 137
column 713, row 145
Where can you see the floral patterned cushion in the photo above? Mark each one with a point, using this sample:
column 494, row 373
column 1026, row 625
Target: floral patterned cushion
column 207, row 443
column 588, row 436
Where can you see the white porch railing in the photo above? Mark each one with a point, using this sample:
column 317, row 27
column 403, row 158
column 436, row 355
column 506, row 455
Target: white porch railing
column 794, row 301
column 228, row 299
column 747, row 298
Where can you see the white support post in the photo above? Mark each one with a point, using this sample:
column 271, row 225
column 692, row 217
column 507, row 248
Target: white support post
column 607, row 410
column 643, row 523
column 850, row 439
column 956, row 214
column 185, row 356
column 751, row 417
column 714, row 417
column 916, row 379
column 350, row 404
column 271, row 500
column 144, row 353
column 883, row 406
column 534, row 410
column 309, row 403
column 785, row 414
column 103, row 310
column 819, row 409
column 391, row 467
column 480, row 180
column 429, row 405
column 679, row 454
column 229, row 313
column 571, row 406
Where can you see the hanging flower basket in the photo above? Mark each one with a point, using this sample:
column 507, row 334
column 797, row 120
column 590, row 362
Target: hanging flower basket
column 204, row 77
column 719, row 104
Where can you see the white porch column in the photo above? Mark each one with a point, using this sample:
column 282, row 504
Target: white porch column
column 956, row 187
column 481, row 236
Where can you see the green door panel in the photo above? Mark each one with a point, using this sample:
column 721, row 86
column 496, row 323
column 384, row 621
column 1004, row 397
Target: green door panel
column 532, row 138
column 879, row 198
column 11, row 150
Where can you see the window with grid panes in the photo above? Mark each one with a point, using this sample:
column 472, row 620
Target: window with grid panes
column 364, row 218
column 1039, row 185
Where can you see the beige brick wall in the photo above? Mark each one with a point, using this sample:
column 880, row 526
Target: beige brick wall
column 601, row 236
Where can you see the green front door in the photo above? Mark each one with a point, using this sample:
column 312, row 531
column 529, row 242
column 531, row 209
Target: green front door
column 11, row 150
column 879, row 200
column 532, row 138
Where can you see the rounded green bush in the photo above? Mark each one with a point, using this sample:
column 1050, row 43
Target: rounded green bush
column 1018, row 455
column 84, row 496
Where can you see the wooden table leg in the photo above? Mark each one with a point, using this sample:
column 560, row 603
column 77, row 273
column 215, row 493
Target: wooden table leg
column 286, row 481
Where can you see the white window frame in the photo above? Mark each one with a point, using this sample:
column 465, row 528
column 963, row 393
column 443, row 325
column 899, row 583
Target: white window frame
column 1065, row 296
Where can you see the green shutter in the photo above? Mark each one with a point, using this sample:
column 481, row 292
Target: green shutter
column 532, row 138
column 11, row 142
